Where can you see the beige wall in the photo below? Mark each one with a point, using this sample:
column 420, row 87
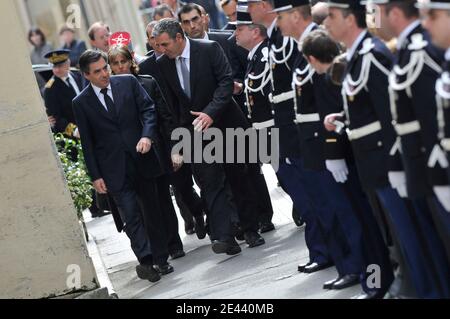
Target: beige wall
column 39, row 231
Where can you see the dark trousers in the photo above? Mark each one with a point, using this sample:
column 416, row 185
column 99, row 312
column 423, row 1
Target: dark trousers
column 265, row 209
column 244, row 195
column 182, row 182
column 341, row 204
column 139, row 209
column 217, row 195
column 169, row 216
column 293, row 179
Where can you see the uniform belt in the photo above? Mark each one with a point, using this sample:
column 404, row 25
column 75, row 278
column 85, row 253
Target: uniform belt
column 265, row 124
column 445, row 143
column 407, row 128
column 363, row 130
column 304, row 118
column 281, row 97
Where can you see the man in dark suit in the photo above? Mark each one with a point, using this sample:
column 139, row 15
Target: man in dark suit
column 198, row 77
column 117, row 122
column 229, row 8
column 189, row 202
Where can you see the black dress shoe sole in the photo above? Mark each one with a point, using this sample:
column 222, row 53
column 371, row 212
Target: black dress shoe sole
column 178, row 255
column 220, row 247
column 257, row 243
column 346, row 284
column 317, row 268
column 266, row 229
column 329, row 284
column 147, row 273
column 301, row 268
column 233, row 250
column 165, row 271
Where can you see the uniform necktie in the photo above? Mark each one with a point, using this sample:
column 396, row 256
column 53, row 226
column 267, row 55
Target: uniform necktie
column 185, row 75
column 71, row 86
column 109, row 103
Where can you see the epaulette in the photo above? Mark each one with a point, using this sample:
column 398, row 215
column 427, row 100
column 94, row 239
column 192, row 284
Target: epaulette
column 367, row 46
column 417, row 42
column 50, row 82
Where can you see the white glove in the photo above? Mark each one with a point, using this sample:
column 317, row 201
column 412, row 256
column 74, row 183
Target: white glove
column 443, row 195
column 338, row 168
column 398, row 182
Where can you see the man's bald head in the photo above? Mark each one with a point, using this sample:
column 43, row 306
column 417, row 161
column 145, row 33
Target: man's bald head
column 319, row 12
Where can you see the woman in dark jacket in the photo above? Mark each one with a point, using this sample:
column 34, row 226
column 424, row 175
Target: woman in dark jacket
column 121, row 62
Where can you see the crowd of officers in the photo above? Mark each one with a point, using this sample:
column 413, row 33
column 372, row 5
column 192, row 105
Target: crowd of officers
column 362, row 117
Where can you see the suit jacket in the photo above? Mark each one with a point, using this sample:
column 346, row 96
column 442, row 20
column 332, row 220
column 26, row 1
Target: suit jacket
column 211, row 89
column 58, row 101
column 369, row 105
column 222, row 39
column 445, row 102
column 420, row 106
column 108, row 143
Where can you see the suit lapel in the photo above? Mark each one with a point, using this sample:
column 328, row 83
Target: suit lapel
column 193, row 67
column 117, row 96
column 97, row 104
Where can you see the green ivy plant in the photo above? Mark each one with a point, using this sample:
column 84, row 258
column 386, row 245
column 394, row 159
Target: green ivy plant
column 72, row 160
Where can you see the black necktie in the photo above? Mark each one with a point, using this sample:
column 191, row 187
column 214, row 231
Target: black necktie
column 109, row 103
column 71, row 86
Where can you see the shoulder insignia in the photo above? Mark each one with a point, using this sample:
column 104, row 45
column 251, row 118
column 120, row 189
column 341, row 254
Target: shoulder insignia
column 50, row 83
column 367, row 46
column 417, row 42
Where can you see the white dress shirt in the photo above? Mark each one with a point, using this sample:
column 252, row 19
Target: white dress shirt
column 187, row 56
column 271, row 28
column 447, row 54
column 100, row 94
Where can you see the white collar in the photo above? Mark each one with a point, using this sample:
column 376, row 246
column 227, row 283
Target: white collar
column 351, row 51
column 404, row 34
column 271, row 28
column 447, row 54
column 206, row 37
column 307, row 31
column 97, row 89
column 253, row 51
column 187, row 50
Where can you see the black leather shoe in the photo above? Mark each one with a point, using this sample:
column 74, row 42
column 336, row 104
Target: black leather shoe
column 200, row 227
column 328, row 284
column 100, row 213
column 254, row 239
column 147, row 272
column 177, row 254
column 316, row 267
column 223, row 247
column 346, row 281
column 302, row 267
column 266, row 227
column 189, row 231
column 163, row 269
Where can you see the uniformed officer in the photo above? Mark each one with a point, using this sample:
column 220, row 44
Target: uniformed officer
column 59, row 92
column 366, row 104
column 334, row 192
column 413, row 111
column 281, row 56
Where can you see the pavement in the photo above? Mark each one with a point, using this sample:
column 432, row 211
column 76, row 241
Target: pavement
column 265, row 272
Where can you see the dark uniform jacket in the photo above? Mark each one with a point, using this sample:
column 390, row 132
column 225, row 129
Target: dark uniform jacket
column 284, row 114
column 58, row 98
column 443, row 98
column 416, row 102
column 369, row 105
